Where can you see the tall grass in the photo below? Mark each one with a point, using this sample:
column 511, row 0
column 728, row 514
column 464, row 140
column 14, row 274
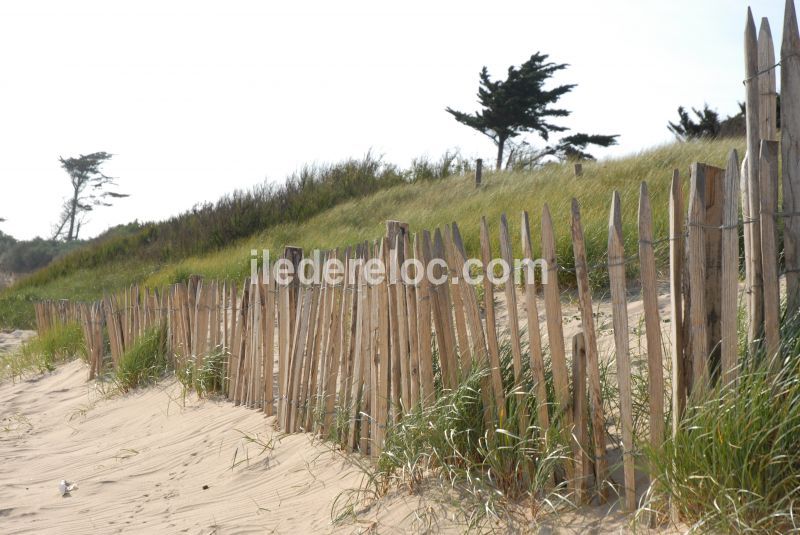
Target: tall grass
column 145, row 361
column 204, row 375
column 41, row 354
column 734, row 465
column 499, row 473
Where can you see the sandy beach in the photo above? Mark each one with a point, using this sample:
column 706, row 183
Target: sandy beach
column 158, row 460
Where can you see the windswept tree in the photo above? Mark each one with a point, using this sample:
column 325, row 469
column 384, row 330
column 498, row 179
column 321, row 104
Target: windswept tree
column 521, row 104
column 90, row 189
column 705, row 124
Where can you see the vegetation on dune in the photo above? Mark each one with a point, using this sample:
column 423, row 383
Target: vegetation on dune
column 41, row 354
column 415, row 197
column 145, row 361
column 734, row 465
column 205, row 375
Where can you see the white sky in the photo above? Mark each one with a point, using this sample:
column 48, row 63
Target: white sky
column 197, row 98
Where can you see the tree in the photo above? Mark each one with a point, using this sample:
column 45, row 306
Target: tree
column 89, row 190
column 706, row 126
column 519, row 104
column 706, row 123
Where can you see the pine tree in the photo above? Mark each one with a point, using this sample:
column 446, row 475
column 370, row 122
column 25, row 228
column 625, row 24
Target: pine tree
column 520, row 104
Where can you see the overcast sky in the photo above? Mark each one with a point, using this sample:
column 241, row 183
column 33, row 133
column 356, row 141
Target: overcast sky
column 198, row 98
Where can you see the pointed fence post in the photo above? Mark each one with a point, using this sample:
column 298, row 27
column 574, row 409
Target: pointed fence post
column 790, row 155
column 619, row 308
column 592, row 358
column 755, row 290
column 652, row 319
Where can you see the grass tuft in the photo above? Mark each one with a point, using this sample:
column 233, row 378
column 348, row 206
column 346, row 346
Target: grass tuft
column 41, row 354
column 204, row 375
column 499, row 474
column 146, row 361
column 734, row 465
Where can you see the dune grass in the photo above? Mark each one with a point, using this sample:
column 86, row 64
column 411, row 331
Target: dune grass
column 424, row 204
column 206, row 375
column 489, row 475
column 145, row 362
column 42, row 353
column 734, row 465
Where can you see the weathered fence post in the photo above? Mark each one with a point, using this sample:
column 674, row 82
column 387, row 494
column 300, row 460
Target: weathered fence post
column 790, row 155
column 697, row 277
column 755, row 291
column 619, row 306
column 592, row 358
column 730, row 272
column 478, row 172
column 513, row 325
column 491, row 325
column 583, row 467
column 768, row 179
column 555, row 331
column 652, row 319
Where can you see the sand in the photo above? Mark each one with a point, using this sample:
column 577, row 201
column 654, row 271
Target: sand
column 153, row 461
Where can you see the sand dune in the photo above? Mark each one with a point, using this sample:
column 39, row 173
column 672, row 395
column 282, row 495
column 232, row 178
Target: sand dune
column 145, row 462
column 154, row 462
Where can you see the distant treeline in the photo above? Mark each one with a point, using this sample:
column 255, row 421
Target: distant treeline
column 210, row 226
column 25, row 256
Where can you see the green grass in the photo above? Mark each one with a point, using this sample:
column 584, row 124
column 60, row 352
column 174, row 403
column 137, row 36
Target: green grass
column 499, row 473
column 204, row 375
column 734, row 465
column 41, row 354
column 424, row 204
column 145, row 362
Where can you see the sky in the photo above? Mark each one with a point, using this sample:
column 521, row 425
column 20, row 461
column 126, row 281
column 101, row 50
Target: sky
column 198, row 98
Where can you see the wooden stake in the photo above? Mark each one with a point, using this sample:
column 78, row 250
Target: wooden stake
column 756, row 312
column 790, row 155
column 730, row 272
column 587, row 320
column 491, row 325
column 652, row 319
column 583, row 467
column 697, row 277
column 768, row 167
column 513, row 326
column 534, row 335
column 616, row 273
column 424, row 328
column 555, row 333
column 767, row 95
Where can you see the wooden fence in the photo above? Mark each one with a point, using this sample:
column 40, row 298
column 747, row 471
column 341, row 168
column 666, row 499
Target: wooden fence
column 355, row 357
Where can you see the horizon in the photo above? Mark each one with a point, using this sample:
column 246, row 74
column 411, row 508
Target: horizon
column 227, row 97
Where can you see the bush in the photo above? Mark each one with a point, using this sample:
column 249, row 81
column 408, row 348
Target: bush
column 146, row 361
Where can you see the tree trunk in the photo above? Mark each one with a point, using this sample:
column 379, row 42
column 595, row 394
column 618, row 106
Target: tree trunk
column 501, row 142
column 72, row 213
